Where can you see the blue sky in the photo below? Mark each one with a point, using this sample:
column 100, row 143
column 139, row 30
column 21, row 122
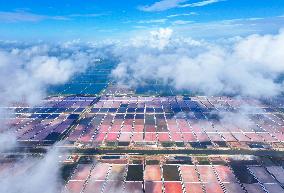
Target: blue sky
column 111, row 19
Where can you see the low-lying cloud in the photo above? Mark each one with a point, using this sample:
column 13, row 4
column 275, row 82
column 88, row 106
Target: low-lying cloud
column 26, row 72
column 248, row 66
column 241, row 117
column 33, row 175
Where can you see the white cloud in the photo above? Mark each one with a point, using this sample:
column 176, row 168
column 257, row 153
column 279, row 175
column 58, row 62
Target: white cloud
column 23, row 16
column 201, row 3
column 240, row 118
column 86, row 15
column 162, row 5
column 140, row 27
column 33, row 175
column 158, row 39
column 247, row 66
column 230, row 28
column 181, row 22
column 152, row 21
column 170, row 4
column 8, row 140
column 27, row 70
column 182, row 14
column 20, row 16
column 25, row 73
column 37, row 68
